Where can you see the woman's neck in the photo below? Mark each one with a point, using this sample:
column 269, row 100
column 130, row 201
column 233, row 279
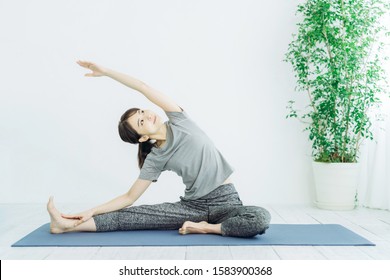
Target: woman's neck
column 161, row 136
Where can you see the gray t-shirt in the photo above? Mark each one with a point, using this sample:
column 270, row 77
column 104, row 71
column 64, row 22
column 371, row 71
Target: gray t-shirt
column 190, row 153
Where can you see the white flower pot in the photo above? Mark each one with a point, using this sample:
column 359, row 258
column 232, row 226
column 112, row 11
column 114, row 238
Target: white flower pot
column 336, row 185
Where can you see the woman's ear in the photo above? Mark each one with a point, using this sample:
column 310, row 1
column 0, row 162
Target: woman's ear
column 143, row 139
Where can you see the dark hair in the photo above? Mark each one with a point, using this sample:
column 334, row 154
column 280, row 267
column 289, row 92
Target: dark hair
column 128, row 134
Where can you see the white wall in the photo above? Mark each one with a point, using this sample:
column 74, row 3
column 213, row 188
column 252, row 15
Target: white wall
column 220, row 60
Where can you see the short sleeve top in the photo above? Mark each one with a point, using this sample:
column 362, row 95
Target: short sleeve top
column 190, row 153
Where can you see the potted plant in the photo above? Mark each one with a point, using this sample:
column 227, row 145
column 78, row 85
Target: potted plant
column 337, row 60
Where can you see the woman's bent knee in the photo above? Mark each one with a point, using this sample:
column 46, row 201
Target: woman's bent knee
column 259, row 219
column 249, row 221
column 262, row 220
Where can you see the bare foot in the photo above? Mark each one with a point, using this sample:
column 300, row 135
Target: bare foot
column 57, row 223
column 201, row 227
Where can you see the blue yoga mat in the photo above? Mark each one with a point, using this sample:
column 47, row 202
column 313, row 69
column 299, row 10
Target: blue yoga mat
column 277, row 234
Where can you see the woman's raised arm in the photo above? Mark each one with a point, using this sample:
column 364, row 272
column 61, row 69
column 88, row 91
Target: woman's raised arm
column 161, row 100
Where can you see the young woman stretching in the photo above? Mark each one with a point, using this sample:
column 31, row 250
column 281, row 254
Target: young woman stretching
column 210, row 204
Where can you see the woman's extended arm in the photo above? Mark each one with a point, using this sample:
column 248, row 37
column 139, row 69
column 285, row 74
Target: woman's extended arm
column 158, row 98
column 122, row 201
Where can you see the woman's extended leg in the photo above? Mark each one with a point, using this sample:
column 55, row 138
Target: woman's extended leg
column 157, row 216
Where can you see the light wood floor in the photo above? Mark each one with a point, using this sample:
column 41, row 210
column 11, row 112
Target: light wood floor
column 20, row 219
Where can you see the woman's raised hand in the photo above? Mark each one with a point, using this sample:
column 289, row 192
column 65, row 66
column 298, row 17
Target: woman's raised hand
column 81, row 217
column 97, row 71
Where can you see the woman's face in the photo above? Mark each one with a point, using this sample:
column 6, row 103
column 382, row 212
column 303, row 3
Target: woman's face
column 145, row 122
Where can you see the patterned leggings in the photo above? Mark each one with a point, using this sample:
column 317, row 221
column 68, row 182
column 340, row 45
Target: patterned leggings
column 222, row 205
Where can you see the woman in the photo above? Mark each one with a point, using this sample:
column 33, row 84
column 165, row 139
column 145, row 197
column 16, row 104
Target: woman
column 210, row 204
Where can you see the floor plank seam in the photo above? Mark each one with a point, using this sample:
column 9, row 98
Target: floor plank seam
column 365, row 253
column 319, row 251
column 273, row 209
column 384, row 221
column 372, row 232
column 230, row 253
column 276, row 252
column 315, row 218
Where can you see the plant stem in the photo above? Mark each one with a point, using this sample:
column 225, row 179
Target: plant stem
column 307, row 82
column 332, row 71
column 348, row 88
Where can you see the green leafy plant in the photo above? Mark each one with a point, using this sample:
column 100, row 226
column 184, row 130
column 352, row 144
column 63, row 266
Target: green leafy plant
column 337, row 59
